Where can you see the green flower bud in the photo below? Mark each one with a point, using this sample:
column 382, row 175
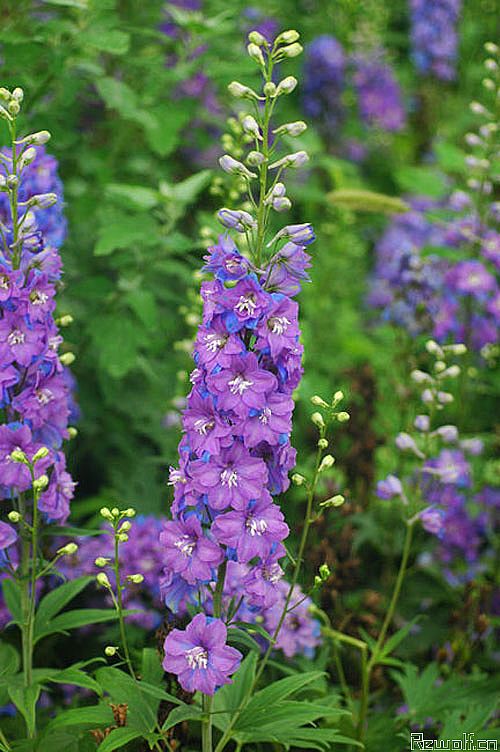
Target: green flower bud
column 18, row 94
column 334, row 501
column 343, row 417
column 122, row 537
column 240, row 91
column 286, row 86
column 337, row 397
column 256, row 53
column 135, row 578
column 317, row 419
column 4, row 94
column 41, row 483
column 72, row 432
column 110, row 650
column 130, row 512
column 102, row 561
column 68, row 550
column 288, row 37
column 322, row 443
column 324, row 572
column 67, row 358
column 255, row 37
column 327, row 462
column 125, row 527
column 269, row 89
column 14, row 107
column 318, row 401
column 103, row 581
column 115, row 512
column 14, row 516
column 65, row 320
column 41, row 454
column 106, row 513
column 292, row 50
column 17, row 455
column 5, row 114
column 298, row 479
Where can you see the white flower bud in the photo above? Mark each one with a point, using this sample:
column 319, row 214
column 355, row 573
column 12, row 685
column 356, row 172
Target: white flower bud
column 292, row 50
column 106, row 513
column 488, row 84
column 255, row 37
column 251, row 127
column 269, row 89
column 322, row 443
column 102, row 580
column 18, row 94
column 298, row 479
column 256, row 53
column 281, row 204
column 318, row 401
column 110, row 650
column 491, row 65
column 135, row 578
column 14, row 516
column 326, row 463
column 491, row 47
column 294, row 161
column 317, row 419
column 115, row 512
column 291, row 129
column 122, row 537
column 17, row 455
column 240, row 91
column 37, row 139
column 337, row 397
column 343, row 417
column 5, row 114
column 101, row 561
column 65, row 320
column 286, row 86
column 125, row 527
column 288, row 37
column 68, row 550
column 334, row 501
column 233, row 167
column 255, row 158
column 4, row 94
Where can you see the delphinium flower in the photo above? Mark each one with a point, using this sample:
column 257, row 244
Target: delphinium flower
column 436, row 269
column 224, row 545
column 439, row 492
column 36, row 388
column 324, row 81
column 434, row 37
column 378, row 92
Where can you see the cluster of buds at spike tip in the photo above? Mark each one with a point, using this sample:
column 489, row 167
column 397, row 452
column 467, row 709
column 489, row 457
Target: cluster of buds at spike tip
column 317, row 418
column 323, row 574
column 11, row 103
column 115, row 515
column 430, row 382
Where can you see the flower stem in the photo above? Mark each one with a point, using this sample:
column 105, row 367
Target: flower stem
column 206, row 725
column 119, row 608
column 368, row 666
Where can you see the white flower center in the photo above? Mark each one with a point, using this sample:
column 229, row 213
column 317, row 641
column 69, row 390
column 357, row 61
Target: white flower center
column 272, row 574
column 38, row 298
column 185, row 545
column 203, row 425
column 246, row 305
column 278, row 324
column 214, row 342
column 239, row 384
column 265, row 415
column 44, row 396
column 229, row 478
column 176, row 476
column 4, row 282
column 16, row 337
column 256, row 527
column 197, row 657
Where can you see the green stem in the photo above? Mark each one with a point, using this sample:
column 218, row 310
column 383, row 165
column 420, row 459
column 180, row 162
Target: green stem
column 4, row 742
column 298, row 564
column 119, row 608
column 368, row 667
column 206, row 726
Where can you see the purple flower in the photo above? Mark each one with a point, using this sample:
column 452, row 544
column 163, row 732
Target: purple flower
column 252, row 529
column 287, row 270
column 299, row 633
column 204, row 425
column 271, row 423
column 471, row 278
column 242, row 385
column 199, row 656
column 230, row 479
column 8, row 535
column 56, row 499
column 279, row 329
column 379, row 94
column 261, row 582
column 432, row 520
column 225, row 262
column 434, row 36
column 188, row 551
column 389, row 488
column 16, row 475
column 450, row 466
column 324, row 81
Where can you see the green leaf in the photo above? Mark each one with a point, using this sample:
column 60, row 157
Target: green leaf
column 278, row 691
column 118, row 738
column 57, row 599
column 183, row 713
column 77, row 678
column 79, row 617
column 138, row 196
column 122, row 688
column 108, row 40
column 117, row 341
column 162, row 134
column 25, row 699
column 143, row 304
column 421, row 181
column 229, row 697
column 151, row 668
column 117, row 95
column 186, row 191
column 95, row 715
column 124, row 231
column 81, row 4
column 12, row 597
column 398, row 637
column 9, row 659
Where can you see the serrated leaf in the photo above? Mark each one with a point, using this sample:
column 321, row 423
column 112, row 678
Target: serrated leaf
column 117, row 95
column 113, row 41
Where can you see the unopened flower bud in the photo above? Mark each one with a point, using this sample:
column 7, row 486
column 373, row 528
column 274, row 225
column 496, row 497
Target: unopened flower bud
column 420, row 377
column 251, row 127
column 17, row 455
column 293, row 161
column 41, row 454
column 488, row 84
column 255, row 53
column 448, row 433
column 125, row 527
column 41, row 483
column 478, row 109
column 491, row 47
column 115, row 512
column 65, row 320
column 240, row 91
column 28, row 156
column 130, row 512
column 422, row 423
column 255, row 37
column 291, row 50
column 322, row 443
column 333, row 501
column 233, row 167
column 406, row 443
column 337, row 397
column 122, row 537
column 433, row 348
column 324, row 572
column 135, row 578
column 4, row 94
column 288, row 37
column 255, row 158
column 286, row 86
column 439, row 366
column 236, row 220
column 67, row 358
column 298, row 479
column 318, row 401
column 44, row 200
column 14, row 107
column 101, row 561
column 102, row 580
column 270, row 89
column 18, row 94
column 317, row 419
column 452, row 372
column 72, row 432
column 457, row 349
column 106, row 513
column 110, row 650
column 37, row 139
column 326, row 463
column 291, row 129
column 281, row 204
column 68, row 550
column 14, row 516
column 343, row 417
column 444, row 398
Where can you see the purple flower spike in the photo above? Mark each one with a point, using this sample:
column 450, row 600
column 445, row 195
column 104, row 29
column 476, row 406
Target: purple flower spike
column 199, row 655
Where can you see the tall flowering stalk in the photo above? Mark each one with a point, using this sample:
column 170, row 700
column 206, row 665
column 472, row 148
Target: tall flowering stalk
column 224, row 545
column 35, row 396
column 434, row 36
